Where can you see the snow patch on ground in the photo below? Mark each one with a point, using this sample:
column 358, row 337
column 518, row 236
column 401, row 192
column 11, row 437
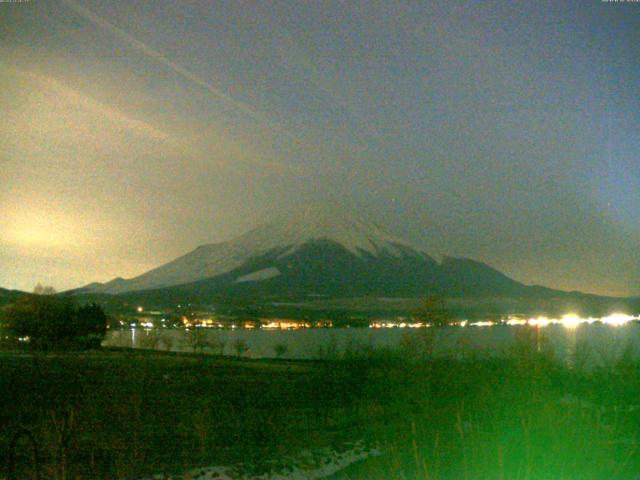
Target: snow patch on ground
column 308, row 465
column 258, row 275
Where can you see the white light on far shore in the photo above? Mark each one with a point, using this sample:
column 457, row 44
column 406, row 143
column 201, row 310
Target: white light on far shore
column 571, row 320
column 540, row 321
column 618, row 319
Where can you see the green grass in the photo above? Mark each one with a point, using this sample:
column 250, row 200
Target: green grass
column 525, row 416
column 123, row 414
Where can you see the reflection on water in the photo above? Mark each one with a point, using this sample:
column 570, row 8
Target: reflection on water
column 602, row 343
column 133, row 339
column 571, row 346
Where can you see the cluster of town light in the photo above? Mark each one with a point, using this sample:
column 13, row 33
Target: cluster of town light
column 389, row 324
column 287, row 325
column 569, row 321
column 572, row 320
column 272, row 325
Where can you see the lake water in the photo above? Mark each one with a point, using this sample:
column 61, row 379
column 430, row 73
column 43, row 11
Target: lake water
column 600, row 342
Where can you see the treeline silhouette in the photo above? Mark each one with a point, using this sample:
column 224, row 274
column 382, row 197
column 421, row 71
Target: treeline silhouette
column 45, row 321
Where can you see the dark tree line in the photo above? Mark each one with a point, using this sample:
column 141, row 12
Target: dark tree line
column 48, row 322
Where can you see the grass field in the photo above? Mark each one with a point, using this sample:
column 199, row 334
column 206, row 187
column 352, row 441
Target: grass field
column 125, row 414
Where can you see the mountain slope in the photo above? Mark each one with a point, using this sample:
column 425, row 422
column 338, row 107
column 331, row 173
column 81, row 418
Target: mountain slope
column 283, row 236
column 8, row 296
column 325, row 268
column 319, row 250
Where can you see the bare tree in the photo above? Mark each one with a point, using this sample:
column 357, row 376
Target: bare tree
column 434, row 311
column 240, row 347
column 40, row 289
column 280, row 349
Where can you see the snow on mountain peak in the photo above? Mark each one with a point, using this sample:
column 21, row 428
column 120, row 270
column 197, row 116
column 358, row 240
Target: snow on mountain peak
column 324, row 222
column 286, row 233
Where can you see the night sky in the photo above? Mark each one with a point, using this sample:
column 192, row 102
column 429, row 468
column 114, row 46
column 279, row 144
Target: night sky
column 134, row 131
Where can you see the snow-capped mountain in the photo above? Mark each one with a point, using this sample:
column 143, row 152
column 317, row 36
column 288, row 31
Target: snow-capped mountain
column 317, row 249
column 285, row 235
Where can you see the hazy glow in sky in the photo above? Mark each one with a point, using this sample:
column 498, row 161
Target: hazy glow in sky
column 135, row 131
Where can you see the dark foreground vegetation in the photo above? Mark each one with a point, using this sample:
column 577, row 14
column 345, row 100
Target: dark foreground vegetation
column 125, row 414
column 523, row 417
column 49, row 322
column 122, row 414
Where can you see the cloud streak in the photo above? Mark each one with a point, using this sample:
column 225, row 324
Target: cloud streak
column 180, row 70
column 66, row 93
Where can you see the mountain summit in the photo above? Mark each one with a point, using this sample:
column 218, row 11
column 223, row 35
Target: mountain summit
column 318, row 249
column 325, row 222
